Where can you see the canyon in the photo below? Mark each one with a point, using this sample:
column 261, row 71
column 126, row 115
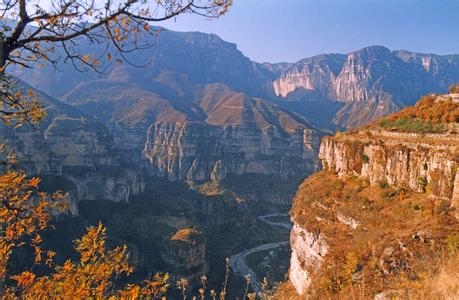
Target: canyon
column 368, row 208
column 204, row 140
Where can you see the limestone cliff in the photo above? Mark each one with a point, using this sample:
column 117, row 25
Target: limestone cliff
column 400, row 159
column 203, row 152
column 72, row 151
column 380, row 194
column 384, row 201
column 200, row 133
column 371, row 82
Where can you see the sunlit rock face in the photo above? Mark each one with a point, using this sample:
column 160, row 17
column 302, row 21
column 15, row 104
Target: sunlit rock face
column 308, row 248
column 371, row 82
column 202, row 152
column 184, row 131
column 424, row 163
column 400, row 159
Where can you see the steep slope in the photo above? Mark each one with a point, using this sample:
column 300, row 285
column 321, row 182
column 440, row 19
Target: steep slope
column 371, row 82
column 203, row 58
column 240, row 135
column 198, row 132
column 357, row 87
column 382, row 208
column 73, row 151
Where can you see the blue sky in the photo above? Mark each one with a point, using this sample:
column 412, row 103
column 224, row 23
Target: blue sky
column 288, row 30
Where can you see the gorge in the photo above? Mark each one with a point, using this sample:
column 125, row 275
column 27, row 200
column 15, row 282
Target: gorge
column 201, row 141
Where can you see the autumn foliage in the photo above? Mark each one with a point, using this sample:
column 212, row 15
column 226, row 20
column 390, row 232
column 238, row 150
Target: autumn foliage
column 430, row 114
column 92, row 276
column 24, row 213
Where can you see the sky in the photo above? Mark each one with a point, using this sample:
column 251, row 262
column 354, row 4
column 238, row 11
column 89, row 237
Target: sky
column 289, row 30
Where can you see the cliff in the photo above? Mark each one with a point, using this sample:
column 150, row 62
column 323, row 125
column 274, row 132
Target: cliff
column 384, row 204
column 400, row 159
column 202, row 133
column 371, row 82
column 202, row 152
column 74, row 152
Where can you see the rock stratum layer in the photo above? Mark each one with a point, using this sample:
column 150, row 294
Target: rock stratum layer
column 203, row 152
column 401, row 159
column 370, row 82
column 206, row 133
column 369, row 174
column 73, row 152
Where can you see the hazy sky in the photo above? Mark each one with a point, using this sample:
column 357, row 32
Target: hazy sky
column 288, row 30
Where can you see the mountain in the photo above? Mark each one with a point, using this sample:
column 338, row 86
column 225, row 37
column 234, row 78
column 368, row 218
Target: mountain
column 197, row 132
column 202, row 58
column 369, row 83
column 74, row 152
column 353, row 88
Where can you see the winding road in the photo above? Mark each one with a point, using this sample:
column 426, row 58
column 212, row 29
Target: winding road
column 238, row 263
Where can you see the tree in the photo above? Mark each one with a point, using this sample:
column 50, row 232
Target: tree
column 37, row 32
column 34, row 32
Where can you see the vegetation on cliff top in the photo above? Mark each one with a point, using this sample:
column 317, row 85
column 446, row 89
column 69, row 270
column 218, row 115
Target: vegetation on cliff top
column 404, row 240
column 431, row 114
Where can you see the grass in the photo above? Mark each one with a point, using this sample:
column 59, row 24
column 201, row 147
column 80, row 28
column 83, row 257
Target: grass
column 428, row 115
column 388, row 217
column 412, row 125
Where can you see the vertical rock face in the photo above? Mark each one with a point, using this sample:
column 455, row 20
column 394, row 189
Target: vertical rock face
column 308, row 250
column 455, row 199
column 400, row 159
column 202, row 152
column 317, row 73
column 424, row 167
column 204, row 132
column 76, row 153
column 371, row 82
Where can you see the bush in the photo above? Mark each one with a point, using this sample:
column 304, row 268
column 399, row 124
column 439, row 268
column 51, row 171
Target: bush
column 422, row 184
column 427, row 116
column 383, row 184
column 365, row 159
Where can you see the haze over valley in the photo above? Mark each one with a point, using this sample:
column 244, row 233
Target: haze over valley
column 333, row 176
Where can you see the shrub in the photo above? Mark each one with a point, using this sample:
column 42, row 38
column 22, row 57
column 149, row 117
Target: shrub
column 422, row 184
column 365, row 159
column 383, row 184
column 427, row 116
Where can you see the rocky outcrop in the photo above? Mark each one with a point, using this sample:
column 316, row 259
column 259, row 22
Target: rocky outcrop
column 371, row 82
column 367, row 173
column 203, row 152
column 455, row 199
column 308, row 250
column 317, row 73
column 73, row 152
column 212, row 132
column 401, row 159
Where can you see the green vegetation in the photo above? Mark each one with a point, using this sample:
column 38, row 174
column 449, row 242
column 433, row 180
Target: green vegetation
column 429, row 115
column 365, row 159
column 411, row 125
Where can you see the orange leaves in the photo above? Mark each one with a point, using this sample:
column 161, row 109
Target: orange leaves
column 23, row 212
column 92, row 276
column 24, row 279
column 18, row 106
column 34, row 182
column 86, row 58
